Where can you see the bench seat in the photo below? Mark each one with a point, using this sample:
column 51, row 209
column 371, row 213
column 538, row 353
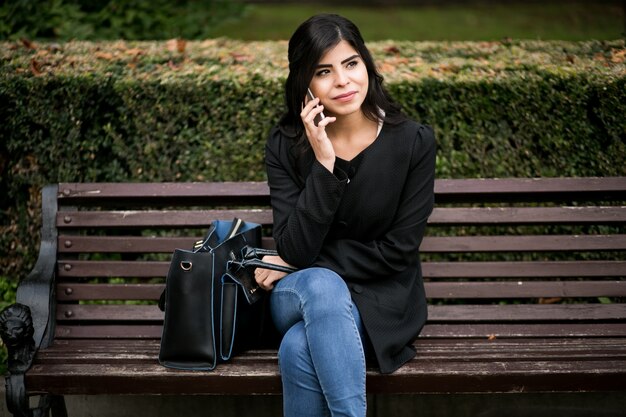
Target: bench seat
column 454, row 364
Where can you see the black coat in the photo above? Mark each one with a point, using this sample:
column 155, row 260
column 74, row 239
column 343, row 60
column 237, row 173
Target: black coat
column 365, row 221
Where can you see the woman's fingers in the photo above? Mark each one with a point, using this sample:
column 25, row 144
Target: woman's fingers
column 266, row 277
column 311, row 110
column 326, row 121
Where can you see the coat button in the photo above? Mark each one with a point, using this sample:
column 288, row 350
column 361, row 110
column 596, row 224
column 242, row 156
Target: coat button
column 357, row 288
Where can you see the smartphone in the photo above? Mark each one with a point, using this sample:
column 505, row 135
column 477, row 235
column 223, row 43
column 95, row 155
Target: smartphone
column 312, row 97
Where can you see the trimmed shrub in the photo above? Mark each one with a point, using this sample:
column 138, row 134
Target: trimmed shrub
column 200, row 111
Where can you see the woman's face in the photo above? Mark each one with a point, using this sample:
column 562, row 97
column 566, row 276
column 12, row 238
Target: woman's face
column 340, row 80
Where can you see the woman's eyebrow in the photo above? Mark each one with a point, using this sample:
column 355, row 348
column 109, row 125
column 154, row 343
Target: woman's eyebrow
column 342, row 62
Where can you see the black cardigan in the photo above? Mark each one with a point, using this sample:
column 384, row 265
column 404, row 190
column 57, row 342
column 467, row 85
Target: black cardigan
column 365, row 221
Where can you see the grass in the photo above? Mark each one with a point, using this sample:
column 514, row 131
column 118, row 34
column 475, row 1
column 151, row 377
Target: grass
column 602, row 20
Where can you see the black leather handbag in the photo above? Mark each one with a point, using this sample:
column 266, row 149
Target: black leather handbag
column 213, row 306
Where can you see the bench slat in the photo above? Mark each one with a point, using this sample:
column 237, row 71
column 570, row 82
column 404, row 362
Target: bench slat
column 461, row 331
column 498, row 376
column 521, row 289
column 528, row 189
column 259, row 378
column 263, row 378
column 164, row 193
column 499, row 189
column 440, row 216
column 532, row 330
column 161, row 218
column 92, row 269
column 123, row 244
column 150, row 269
column 436, row 314
column 536, row 243
column 108, row 331
column 430, row 244
column 131, row 244
column 77, row 292
column 527, row 215
column 525, row 289
column 481, row 365
column 526, row 312
column 524, row 269
column 146, row 351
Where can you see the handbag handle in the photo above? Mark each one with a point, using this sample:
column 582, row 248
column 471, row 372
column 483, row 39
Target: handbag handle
column 251, row 258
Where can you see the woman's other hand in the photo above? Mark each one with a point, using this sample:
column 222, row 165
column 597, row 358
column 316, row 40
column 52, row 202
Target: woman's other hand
column 267, row 277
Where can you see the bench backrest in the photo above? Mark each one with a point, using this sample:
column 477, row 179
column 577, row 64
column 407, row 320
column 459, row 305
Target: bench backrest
column 511, row 257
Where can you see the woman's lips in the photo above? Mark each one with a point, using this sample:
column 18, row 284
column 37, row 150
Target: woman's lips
column 345, row 97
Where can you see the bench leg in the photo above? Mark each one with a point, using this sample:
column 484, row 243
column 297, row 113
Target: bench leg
column 17, row 401
column 18, row 404
column 50, row 403
column 58, row 406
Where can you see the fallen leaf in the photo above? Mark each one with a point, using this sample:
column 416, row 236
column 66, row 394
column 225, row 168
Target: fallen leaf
column 386, row 67
column 28, row 44
column 35, row 67
column 491, row 337
column 392, row 50
column 134, row 51
column 176, row 45
column 599, row 57
column 238, row 57
column 104, row 55
column 447, row 68
column 171, row 45
column 618, row 56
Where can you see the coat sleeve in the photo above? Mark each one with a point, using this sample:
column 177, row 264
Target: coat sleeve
column 398, row 248
column 302, row 215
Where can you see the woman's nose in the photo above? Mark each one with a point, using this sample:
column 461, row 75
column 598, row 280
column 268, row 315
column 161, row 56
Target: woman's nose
column 342, row 78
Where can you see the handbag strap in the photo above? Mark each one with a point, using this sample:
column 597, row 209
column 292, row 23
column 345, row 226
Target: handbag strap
column 257, row 263
column 250, row 252
column 251, row 258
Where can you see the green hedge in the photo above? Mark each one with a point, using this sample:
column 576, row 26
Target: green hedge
column 200, row 111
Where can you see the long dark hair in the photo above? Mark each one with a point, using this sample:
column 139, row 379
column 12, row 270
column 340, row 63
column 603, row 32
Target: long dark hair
column 307, row 45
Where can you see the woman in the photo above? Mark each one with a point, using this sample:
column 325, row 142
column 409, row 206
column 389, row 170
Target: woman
column 350, row 193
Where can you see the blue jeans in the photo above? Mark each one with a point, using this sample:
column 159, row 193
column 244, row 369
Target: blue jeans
column 321, row 357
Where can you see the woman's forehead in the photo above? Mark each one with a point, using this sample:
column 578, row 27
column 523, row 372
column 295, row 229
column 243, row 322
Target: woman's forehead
column 343, row 50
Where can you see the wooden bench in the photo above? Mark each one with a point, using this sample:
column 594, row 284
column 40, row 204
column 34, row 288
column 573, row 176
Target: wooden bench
column 526, row 280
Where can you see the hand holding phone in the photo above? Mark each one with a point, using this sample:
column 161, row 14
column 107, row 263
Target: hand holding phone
column 320, row 143
column 319, row 118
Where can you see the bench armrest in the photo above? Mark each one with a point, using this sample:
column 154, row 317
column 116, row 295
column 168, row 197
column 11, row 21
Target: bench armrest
column 37, row 290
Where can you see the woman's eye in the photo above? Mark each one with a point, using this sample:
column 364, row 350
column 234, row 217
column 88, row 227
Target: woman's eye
column 322, row 72
column 352, row 64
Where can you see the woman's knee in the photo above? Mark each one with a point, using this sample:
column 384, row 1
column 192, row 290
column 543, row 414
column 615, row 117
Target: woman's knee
column 322, row 283
column 323, row 291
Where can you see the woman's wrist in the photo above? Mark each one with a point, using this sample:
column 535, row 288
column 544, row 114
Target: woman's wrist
column 329, row 164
